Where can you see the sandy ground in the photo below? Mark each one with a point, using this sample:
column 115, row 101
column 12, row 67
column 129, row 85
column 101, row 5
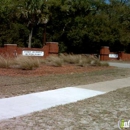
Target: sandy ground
column 98, row 113
column 13, row 84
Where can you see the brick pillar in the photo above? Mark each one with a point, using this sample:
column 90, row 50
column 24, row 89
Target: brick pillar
column 53, row 48
column 10, row 50
column 121, row 55
column 104, row 53
column 46, row 50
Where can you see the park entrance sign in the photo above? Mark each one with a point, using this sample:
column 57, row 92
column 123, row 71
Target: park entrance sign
column 12, row 50
column 113, row 55
column 32, row 53
column 106, row 55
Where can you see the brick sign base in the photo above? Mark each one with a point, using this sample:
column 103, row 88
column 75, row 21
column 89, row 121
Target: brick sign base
column 11, row 50
column 106, row 55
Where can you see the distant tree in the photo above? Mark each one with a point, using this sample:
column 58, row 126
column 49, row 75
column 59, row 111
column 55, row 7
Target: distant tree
column 33, row 12
column 80, row 26
column 9, row 27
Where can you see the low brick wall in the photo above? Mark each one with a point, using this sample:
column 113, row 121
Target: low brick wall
column 106, row 55
column 124, row 56
column 12, row 50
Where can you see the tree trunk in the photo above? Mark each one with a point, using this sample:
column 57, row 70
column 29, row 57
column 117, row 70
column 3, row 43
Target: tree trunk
column 30, row 38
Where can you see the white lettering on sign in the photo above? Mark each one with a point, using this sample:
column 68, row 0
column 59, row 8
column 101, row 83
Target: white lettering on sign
column 32, row 53
column 113, row 55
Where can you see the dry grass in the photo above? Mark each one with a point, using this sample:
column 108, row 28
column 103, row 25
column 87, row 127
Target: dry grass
column 54, row 61
column 3, row 62
column 71, row 59
column 26, row 63
column 6, row 62
column 80, row 60
column 104, row 64
column 29, row 63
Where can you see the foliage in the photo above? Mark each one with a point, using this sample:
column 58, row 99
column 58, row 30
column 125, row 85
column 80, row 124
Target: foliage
column 27, row 63
column 80, row 26
column 54, row 61
column 81, row 60
column 34, row 12
column 4, row 62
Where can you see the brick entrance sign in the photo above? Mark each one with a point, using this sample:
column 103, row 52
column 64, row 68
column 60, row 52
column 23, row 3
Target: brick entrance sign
column 106, row 55
column 11, row 50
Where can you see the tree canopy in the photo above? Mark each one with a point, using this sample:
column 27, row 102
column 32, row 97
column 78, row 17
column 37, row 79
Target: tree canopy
column 80, row 26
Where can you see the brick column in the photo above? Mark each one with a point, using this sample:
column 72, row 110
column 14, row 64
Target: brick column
column 104, row 53
column 11, row 50
column 53, row 48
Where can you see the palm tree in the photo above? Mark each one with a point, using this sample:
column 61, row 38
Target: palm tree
column 34, row 12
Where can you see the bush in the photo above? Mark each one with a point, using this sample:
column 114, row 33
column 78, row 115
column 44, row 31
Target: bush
column 81, row 60
column 104, row 64
column 54, row 61
column 27, row 63
column 5, row 62
column 71, row 59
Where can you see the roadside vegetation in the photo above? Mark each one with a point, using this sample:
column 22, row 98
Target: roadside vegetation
column 80, row 60
column 29, row 63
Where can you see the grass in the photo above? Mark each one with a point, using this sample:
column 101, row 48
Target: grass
column 29, row 63
column 70, row 59
column 5, row 62
column 80, row 60
column 54, row 61
column 25, row 63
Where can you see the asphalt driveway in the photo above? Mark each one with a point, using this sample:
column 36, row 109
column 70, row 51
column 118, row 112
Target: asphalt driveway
column 119, row 65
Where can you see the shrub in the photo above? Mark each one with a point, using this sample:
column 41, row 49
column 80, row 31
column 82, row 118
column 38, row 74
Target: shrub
column 104, row 64
column 42, row 61
column 5, row 62
column 82, row 60
column 71, row 59
column 27, row 63
column 54, row 61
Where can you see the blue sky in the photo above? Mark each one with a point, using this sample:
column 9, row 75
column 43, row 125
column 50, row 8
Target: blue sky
column 107, row 1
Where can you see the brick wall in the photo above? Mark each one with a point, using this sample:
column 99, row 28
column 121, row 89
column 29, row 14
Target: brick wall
column 12, row 50
column 124, row 56
column 106, row 55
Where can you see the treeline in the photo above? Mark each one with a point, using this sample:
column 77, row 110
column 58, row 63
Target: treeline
column 80, row 26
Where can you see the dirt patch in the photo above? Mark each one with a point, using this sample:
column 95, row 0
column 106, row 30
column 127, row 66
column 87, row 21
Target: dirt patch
column 14, row 82
column 47, row 70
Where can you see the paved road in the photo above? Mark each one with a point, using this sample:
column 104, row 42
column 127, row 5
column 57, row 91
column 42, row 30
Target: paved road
column 119, row 65
column 108, row 86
